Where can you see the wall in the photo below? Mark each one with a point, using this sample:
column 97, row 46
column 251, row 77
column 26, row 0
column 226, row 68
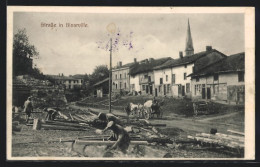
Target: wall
column 134, row 81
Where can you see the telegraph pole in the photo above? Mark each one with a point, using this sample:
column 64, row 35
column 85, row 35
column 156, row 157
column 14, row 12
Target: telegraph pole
column 110, row 76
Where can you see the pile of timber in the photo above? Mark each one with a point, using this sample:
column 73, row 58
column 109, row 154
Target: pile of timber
column 225, row 140
column 58, row 125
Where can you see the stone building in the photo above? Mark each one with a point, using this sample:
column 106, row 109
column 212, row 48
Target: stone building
column 142, row 76
column 222, row 81
column 121, row 78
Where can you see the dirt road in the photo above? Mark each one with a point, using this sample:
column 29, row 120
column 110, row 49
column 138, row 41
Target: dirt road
column 189, row 125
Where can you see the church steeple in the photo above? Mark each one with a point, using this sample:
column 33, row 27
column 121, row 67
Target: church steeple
column 189, row 50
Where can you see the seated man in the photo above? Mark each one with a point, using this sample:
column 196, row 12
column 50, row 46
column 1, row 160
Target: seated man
column 119, row 135
column 52, row 113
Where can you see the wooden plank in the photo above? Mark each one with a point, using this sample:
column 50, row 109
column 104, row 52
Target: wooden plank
column 219, row 142
column 220, row 137
column 66, row 124
column 59, row 127
column 236, row 132
column 96, row 142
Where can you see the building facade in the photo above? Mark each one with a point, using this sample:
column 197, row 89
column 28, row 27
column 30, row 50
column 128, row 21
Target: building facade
column 68, row 82
column 171, row 78
column 222, row 81
column 142, row 75
column 121, row 78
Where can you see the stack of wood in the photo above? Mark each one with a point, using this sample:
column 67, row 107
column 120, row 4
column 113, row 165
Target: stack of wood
column 58, row 125
column 220, row 139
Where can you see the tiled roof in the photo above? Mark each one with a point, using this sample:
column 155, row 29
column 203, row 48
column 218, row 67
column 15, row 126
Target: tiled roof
column 231, row 63
column 185, row 60
column 145, row 67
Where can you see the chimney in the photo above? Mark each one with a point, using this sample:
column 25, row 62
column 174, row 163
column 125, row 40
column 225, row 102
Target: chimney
column 119, row 64
column 151, row 59
column 135, row 61
column 181, row 55
column 208, row 48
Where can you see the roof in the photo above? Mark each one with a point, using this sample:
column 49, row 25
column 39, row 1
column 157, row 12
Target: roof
column 231, row 63
column 145, row 67
column 185, row 60
column 63, row 77
column 124, row 66
column 101, row 82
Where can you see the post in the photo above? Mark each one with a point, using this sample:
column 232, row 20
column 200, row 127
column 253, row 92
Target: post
column 110, row 76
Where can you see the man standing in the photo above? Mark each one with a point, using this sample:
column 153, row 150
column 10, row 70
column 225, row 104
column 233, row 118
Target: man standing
column 28, row 108
column 119, row 135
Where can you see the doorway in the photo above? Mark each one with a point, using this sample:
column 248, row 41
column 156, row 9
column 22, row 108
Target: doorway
column 208, row 93
column 151, row 89
column 183, row 90
column 203, row 91
column 155, row 92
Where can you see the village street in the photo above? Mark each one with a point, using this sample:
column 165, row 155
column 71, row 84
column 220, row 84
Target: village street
column 191, row 126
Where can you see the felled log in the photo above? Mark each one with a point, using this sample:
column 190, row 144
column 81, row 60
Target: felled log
column 236, row 132
column 94, row 142
column 216, row 141
column 66, row 124
column 59, row 127
column 221, row 137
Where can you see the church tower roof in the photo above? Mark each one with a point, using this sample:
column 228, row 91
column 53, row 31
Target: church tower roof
column 189, row 50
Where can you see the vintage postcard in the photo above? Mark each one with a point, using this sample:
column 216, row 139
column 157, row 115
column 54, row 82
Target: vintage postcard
column 130, row 83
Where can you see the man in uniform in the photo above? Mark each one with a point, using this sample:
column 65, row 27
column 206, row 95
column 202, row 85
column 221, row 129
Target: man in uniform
column 119, row 135
column 28, row 108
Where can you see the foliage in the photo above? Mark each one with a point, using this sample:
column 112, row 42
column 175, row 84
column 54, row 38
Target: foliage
column 23, row 52
column 100, row 73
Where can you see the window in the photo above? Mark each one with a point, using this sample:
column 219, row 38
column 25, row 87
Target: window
column 185, row 76
column 116, row 76
column 120, row 76
column 125, row 85
column 173, row 78
column 161, row 81
column 185, row 66
column 69, row 81
column 120, row 86
column 168, row 88
column 74, row 81
column 143, row 86
column 160, row 88
column 241, row 76
column 166, row 78
column 149, row 78
column 215, row 77
column 125, row 75
column 187, row 87
column 145, row 76
column 197, row 79
column 116, row 86
column 193, row 69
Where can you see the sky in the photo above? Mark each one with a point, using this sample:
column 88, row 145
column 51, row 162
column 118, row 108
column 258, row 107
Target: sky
column 78, row 50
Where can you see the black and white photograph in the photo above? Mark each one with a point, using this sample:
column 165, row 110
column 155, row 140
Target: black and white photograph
column 130, row 83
